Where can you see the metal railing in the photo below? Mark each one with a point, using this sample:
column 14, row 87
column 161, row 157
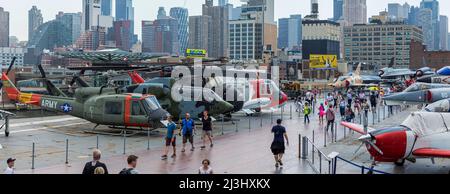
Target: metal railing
column 362, row 167
column 318, row 161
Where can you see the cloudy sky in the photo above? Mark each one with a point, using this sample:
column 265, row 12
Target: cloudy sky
column 147, row 9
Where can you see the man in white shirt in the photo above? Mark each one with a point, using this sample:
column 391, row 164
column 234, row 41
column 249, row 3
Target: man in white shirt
column 10, row 168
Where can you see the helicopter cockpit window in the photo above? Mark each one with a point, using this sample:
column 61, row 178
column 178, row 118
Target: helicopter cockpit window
column 136, row 108
column 113, row 108
column 152, row 103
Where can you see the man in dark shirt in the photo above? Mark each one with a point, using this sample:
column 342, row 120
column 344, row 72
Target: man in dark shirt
column 277, row 146
column 90, row 167
column 207, row 129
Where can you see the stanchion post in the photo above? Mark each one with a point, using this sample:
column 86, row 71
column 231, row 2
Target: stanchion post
column 260, row 120
column 291, row 112
column 32, row 156
column 67, row 151
column 304, row 147
column 378, row 114
column 148, row 139
column 236, row 124
column 271, row 116
column 223, row 122
column 124, row 142
column 313, row 136
column 249, row 124
column 335, row 131
column 373, row 118
column 97, row 142
column 325, row 138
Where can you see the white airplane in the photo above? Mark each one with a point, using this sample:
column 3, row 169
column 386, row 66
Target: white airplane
column 421, row 135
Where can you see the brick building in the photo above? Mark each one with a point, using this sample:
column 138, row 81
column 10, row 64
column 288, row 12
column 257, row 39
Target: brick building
column 420, row 57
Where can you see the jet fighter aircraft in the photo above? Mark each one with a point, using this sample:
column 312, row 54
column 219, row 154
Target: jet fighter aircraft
column 419, row 93
column 356, row 80
column 391, row 73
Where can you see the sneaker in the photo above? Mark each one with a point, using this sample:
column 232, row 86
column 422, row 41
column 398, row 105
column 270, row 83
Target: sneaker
column 281, row 163
column 203, row 147
column 164, row 157
column 276, row 165
column 183, row 150
column 192, row 149
column 173, row 156
column 212, row 145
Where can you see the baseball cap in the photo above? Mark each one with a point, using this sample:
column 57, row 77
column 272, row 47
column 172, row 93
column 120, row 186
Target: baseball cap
column 10, row 160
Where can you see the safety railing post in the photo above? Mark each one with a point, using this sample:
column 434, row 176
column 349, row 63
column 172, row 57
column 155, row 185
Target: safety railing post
column 67, row 151
column 236, row 125
column 97, row 142
column 378, row 114
column 360, row 118
column 373, row 118
column 325, row 137
column 335, row 131
column 33, row 155
column 335, row 165
column 124, row 142
column 305, row 147
column 320, row 162
column 282, row 112
column 148, row 139
column 249, row 124
column 223, row 121
column 260, row 120
column 290, row 111
column 313, row 136
column 271, row 116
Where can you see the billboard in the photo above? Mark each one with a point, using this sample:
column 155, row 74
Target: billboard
column 323, row 62
column 195, row 53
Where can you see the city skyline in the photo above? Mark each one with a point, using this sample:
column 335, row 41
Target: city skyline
column 147, row 10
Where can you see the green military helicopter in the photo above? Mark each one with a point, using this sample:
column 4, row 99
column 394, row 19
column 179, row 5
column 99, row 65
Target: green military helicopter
column 162, row 89
column 99, row 105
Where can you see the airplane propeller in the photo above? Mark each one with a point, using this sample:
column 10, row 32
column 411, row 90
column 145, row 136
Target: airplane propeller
column 368, row 140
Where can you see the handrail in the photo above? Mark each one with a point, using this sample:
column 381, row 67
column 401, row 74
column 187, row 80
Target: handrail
column 318, row 150
column 361, row 166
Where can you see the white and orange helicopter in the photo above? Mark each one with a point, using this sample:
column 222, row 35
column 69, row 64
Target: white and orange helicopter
column 421, row 135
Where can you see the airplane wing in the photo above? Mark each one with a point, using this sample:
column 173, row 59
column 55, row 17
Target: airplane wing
column 357, row 128
column 432, row 153
column 397, row 74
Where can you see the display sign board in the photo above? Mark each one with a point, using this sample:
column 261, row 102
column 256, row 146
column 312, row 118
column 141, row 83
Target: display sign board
column 323, row 62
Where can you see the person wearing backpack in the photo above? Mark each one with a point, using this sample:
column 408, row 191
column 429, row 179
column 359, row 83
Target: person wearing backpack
column 131, row 168
column 306, row 112
column 330, row 116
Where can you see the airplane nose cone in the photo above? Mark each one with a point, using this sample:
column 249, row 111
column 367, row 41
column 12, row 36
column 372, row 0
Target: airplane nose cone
column 411, row 97
column 425, row 79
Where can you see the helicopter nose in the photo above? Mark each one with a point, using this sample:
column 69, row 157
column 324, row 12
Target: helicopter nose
column 160, row 114
column 221, row 107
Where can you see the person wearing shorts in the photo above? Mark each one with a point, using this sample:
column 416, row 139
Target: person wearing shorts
column 170, row 139
column 277, row 146
column 207, row 129
column 187, row 130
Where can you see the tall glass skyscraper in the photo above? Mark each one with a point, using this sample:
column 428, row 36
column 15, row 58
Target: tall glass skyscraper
column 338, row 7
column 73, row 22
column 106, row 7
column 35, row 19
column 433, row 5
column 124, row 12
column 290, row 32
column 4, row 30
column 181, row 15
